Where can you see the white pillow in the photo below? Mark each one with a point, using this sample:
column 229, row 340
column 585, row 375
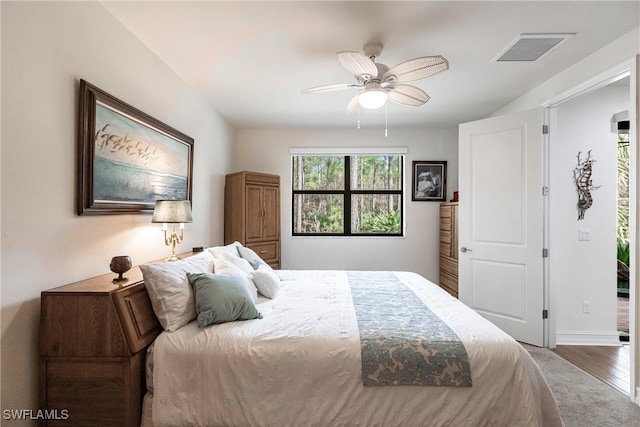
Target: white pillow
column 253, row 258
column 222, row 266
column 169, row 289
column 241, row 263
column 266, row 280
column 231, row 249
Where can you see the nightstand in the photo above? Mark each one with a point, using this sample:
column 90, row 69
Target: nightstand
column 93, row 340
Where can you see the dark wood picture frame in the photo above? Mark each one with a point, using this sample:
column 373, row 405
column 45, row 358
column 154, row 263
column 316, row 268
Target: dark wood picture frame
column 127, row 159
column 429, row 181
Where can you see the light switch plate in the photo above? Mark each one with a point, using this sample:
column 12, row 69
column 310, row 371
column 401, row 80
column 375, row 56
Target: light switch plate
column 584, row 234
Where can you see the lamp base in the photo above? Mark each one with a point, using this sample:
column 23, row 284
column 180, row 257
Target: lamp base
column 173, row 257
column 172, row 240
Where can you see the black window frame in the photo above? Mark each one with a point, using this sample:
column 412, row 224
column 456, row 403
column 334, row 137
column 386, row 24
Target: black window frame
column 347, row 193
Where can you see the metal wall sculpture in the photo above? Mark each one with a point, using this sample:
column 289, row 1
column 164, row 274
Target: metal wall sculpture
column 584, row 184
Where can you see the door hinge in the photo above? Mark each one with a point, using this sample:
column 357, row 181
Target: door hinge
column 545, row 129
column 545, row 253
column 545, row 314
column 545, row 191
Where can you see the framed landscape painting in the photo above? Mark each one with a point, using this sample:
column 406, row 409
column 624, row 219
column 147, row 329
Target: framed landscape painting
column 429, row 180
column 127, row 159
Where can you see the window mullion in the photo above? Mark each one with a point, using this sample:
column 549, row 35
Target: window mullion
column 347, row 195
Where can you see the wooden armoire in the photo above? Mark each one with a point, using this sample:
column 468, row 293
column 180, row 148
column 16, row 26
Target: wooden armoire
column 252, row 213
column 449, row 247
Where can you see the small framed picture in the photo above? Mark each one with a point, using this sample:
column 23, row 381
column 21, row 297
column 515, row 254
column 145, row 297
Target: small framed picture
column 429, row 180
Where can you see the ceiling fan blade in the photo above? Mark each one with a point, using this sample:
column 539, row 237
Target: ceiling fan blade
column 353, row 106
column 330, row 88
column 416, row 69
column 358, row 64
column 407, row 95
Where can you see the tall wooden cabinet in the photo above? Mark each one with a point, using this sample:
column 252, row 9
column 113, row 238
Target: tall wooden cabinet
column 93, row 340
column 252, row 213
column 449, row 247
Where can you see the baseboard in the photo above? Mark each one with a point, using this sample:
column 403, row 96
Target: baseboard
column 588, row 338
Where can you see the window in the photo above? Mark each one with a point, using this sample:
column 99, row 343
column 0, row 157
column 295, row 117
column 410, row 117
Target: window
column 355, row 195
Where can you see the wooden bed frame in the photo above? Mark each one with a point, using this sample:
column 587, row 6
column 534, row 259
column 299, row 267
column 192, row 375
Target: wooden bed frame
column 93, row 340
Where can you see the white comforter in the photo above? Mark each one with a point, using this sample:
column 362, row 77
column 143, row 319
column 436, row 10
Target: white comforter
column 300, row 366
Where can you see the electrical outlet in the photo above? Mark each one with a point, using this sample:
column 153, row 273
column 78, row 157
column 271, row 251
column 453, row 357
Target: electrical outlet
column 586, row 307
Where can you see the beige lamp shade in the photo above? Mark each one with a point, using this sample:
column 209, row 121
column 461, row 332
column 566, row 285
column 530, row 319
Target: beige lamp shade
column 172, row 211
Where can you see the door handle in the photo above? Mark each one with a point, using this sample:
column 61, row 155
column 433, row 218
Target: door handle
column 465, row 250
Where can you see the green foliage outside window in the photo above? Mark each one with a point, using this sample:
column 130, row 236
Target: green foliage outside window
column 384, row 222
column 623, row 186
column 623, row 211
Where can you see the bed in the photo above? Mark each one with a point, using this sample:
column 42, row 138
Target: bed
column 305, row 359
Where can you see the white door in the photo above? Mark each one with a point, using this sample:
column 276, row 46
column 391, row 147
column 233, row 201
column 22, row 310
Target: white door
column 501, row 222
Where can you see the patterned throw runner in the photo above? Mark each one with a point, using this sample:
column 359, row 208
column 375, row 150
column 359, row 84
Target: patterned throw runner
column 402, row 341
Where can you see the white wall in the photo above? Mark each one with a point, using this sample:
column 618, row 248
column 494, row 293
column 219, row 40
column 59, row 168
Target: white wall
column 46, row 49
column 268, row 151
column 585, row 270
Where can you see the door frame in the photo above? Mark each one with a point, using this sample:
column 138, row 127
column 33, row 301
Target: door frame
column 628, row 68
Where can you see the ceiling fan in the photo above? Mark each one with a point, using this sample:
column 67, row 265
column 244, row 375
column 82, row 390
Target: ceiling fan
column 376, row 82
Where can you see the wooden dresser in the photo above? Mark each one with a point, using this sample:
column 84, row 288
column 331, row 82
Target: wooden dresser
column 449, row 247
column 93, row 340
column 252, row 213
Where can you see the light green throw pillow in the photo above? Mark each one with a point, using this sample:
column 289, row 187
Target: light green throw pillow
column 221, row 298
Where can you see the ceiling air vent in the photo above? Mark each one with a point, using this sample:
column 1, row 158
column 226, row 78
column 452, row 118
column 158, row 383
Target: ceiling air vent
column 530, row 47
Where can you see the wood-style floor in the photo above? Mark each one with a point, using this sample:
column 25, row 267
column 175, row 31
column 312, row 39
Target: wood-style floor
column 610, row 364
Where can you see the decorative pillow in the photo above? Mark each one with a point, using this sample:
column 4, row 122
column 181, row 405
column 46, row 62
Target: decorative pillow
column 253, row 258
column 169, row 289
column 241, row 263
column 221, row 298
column 267, row 282
column 231, row 249
column 221, row 266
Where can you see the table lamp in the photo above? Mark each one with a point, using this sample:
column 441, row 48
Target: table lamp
column 176, row 213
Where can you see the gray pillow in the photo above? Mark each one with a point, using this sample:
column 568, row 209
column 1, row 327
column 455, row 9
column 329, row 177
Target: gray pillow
column 253, row 258
column 221, row 298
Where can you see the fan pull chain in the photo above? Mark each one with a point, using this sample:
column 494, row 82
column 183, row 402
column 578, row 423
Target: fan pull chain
column 358, row 118
column 385, row 120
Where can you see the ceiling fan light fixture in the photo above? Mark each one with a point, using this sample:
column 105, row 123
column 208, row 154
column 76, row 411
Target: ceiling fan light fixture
column 372, row 97
column 377, row 83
